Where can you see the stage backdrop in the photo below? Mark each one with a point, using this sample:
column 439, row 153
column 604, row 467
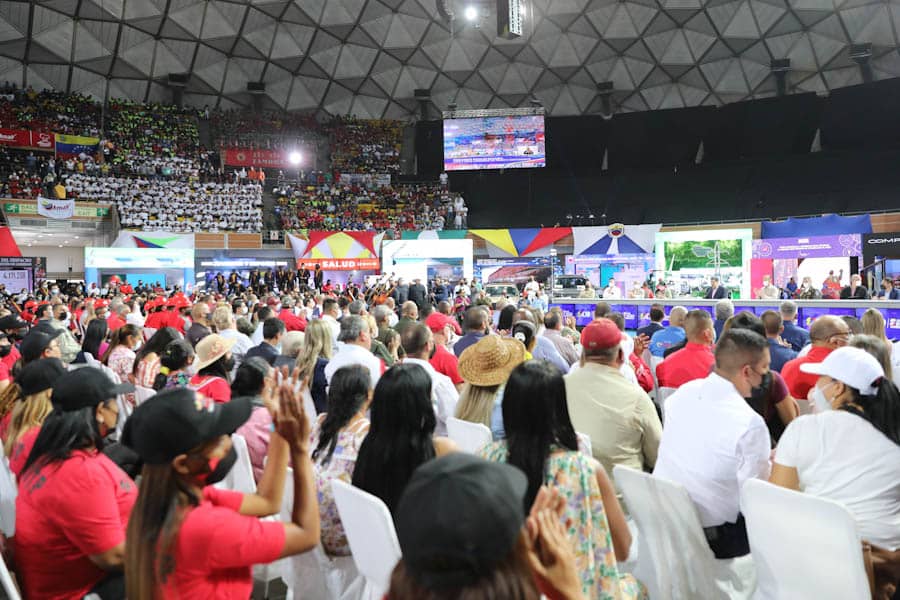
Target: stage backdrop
column 504, row 243
column 338, row 250
column 615, row 239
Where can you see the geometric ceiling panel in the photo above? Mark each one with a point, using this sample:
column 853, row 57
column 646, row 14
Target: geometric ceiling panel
column 368, row 57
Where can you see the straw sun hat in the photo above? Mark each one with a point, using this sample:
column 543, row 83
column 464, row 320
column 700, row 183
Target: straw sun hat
column 490, row 361
column 210, row 349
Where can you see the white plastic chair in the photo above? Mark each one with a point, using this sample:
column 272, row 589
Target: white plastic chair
column 674, row 559
column 470, row 437
column 584, row 443
column 142, row 394
column 370, row 532
column 663, row 395
column 240, row 478
column 315, row 574
column 819, row 557
column 148, row 333
column 9, row 586
column 8, row 494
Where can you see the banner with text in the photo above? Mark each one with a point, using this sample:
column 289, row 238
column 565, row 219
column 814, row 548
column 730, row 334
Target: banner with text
column 55, row 209
column 23, row 138
column 343, row 264
column 91, row 211
column 246, row 157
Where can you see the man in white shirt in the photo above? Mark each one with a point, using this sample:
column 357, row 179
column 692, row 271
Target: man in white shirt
column 767, row 291
column 330, row 313
column 223, row 319
column 532, row 287
column 612, row 291
column 713, row 441
column 354, row 348
column 418, row 343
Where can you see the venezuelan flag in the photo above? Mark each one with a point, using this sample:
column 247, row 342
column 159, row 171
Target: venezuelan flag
column 73, row 145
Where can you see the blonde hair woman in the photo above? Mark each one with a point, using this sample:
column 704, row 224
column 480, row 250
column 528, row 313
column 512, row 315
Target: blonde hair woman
column 313, row 357
column 873, row 324
column 36, row 386
column 485, row 366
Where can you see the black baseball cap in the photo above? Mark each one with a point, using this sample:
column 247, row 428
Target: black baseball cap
column 12, row 322
column 87, row 386
column 459, row 516
column 40, row 375
column 177, row 420
column 35, row 342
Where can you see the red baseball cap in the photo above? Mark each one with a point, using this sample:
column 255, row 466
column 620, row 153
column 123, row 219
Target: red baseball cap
column 272, row 301
column 600, row 334
column 437, row 321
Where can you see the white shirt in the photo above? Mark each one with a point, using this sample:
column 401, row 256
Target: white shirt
column 257, row 337
column 612, row 292
column 711, row 444
column 444, row 396
column 842, row 457
column 241, row 343
column 351, row 354
column 335, row 327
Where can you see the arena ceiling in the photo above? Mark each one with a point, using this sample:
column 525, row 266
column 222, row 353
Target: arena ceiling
column 368, row 56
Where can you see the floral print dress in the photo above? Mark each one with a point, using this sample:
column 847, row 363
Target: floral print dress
column 572, row 473
column 341, row 466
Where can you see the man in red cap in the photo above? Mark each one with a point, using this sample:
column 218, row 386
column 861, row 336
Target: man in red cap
column 174, row 317
column 619, row 417
column 291, row 321
column 443, row 361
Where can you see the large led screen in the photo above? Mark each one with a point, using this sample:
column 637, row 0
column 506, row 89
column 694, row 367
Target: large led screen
column 496, row 142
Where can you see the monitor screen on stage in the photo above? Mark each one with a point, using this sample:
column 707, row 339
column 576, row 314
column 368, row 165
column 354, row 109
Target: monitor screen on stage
column 808, row 314
column 494, row 142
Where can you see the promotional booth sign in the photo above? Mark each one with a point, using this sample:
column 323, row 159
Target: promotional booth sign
column 55, row 209
column 880, row 245
column 828, row 246
column 247, row 157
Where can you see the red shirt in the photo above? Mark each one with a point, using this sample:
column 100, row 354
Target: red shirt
column 4, row 372
column 10, row 359
column 798, row 382
column 64, row 513
column 642, row 372
column 22, row 448
column 173, row 319
column 154, row 320
column 446, row 363
column 291, row 321
column 114, row 322
column 216, row 548
column 214, row 388
column 694, row 361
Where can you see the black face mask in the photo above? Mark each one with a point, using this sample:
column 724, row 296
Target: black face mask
column 5, row 350
column 222, row 468
column 62, row 316
column 762, row 390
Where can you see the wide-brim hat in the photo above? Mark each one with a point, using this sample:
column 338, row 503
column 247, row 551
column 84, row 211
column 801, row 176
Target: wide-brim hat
column 490, row 360
column 210, row 349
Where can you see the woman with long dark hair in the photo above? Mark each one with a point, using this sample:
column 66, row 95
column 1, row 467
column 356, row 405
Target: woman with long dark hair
column 147, row 360
column 189, row 539
column 74, row 502
column 214, row 365
column 400, row 435
column 176, row 360
column 336, row 438
column 94, row 342
column 255, row 380
column 541, row 441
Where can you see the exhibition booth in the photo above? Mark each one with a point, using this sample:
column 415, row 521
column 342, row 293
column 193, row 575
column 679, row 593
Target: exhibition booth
column 165, row 267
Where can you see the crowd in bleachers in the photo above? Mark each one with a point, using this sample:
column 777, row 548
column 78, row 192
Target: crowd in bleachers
column 49, row 111
column 268, row 130
column 174, row 205
column 365, row 146
column 342, row 206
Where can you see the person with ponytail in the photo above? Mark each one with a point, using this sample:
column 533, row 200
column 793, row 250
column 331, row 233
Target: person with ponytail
column 849, row 449
column 147, row 361
column 336, row 438
column 121, row 353
column 36, row 387
column 94, row 342
column 176, row 361
column 541, row 441
column 188, row 539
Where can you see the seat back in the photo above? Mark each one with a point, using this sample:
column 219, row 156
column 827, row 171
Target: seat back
column 663, row 395
column 821, row 558
column 370, row 532
column 240, row 477
column 9, row 586
column 8, row 494
column 670, row 532
column 470, row 437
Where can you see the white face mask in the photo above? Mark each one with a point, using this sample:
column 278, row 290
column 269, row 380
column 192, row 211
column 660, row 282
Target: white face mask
column 822, row 403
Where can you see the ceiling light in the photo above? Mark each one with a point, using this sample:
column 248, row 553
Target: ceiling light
column 295, row 158
column 60, row 245
column 76, row 237
column 471, row 13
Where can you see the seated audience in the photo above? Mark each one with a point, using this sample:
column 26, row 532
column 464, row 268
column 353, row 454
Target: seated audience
column 553, row 324
column 226, row 326
column 724, row 310
column 187, row 537
column 418, row 344
column 269, row 348
column 401, row 435
column 779, row 350
column 476, row 325
column 356, row 348
column 335, row 441
column 176, row 361
column 74, row 502
column 696, row 359
column 255, row 380
column 827, row 333
column 541, row 441
column 147, row 361
column 616, row 414
column 796, row 336
column 673, row 334
column 713, row 441
column 313, row 357
column 214, row 364
column 485, row 366
column 35, row 383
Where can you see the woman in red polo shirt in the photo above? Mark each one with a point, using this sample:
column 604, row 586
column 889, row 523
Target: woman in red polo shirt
column 74, row 502
column 187, row 539
column 214, row 364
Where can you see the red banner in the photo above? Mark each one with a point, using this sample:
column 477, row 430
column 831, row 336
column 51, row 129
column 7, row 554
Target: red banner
column 267, row 159
column 342, row 264
column 22, row 138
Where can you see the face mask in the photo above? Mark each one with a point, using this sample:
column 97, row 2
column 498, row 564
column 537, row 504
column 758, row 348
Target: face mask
column 821, row 402
column 242, row 310
column 4, row 351
column 277, row 308
column 228, row 363
column 219, row 468
column 137, row 346
column 760, row 391
column 63, row 316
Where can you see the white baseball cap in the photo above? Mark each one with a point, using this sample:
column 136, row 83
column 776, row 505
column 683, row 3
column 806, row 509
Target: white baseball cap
column 852, row 366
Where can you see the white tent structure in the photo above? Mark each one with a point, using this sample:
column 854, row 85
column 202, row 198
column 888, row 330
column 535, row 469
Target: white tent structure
column 366, row 57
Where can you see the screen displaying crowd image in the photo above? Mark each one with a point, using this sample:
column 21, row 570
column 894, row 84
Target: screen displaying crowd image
column 688, row 260
column 494, row 142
